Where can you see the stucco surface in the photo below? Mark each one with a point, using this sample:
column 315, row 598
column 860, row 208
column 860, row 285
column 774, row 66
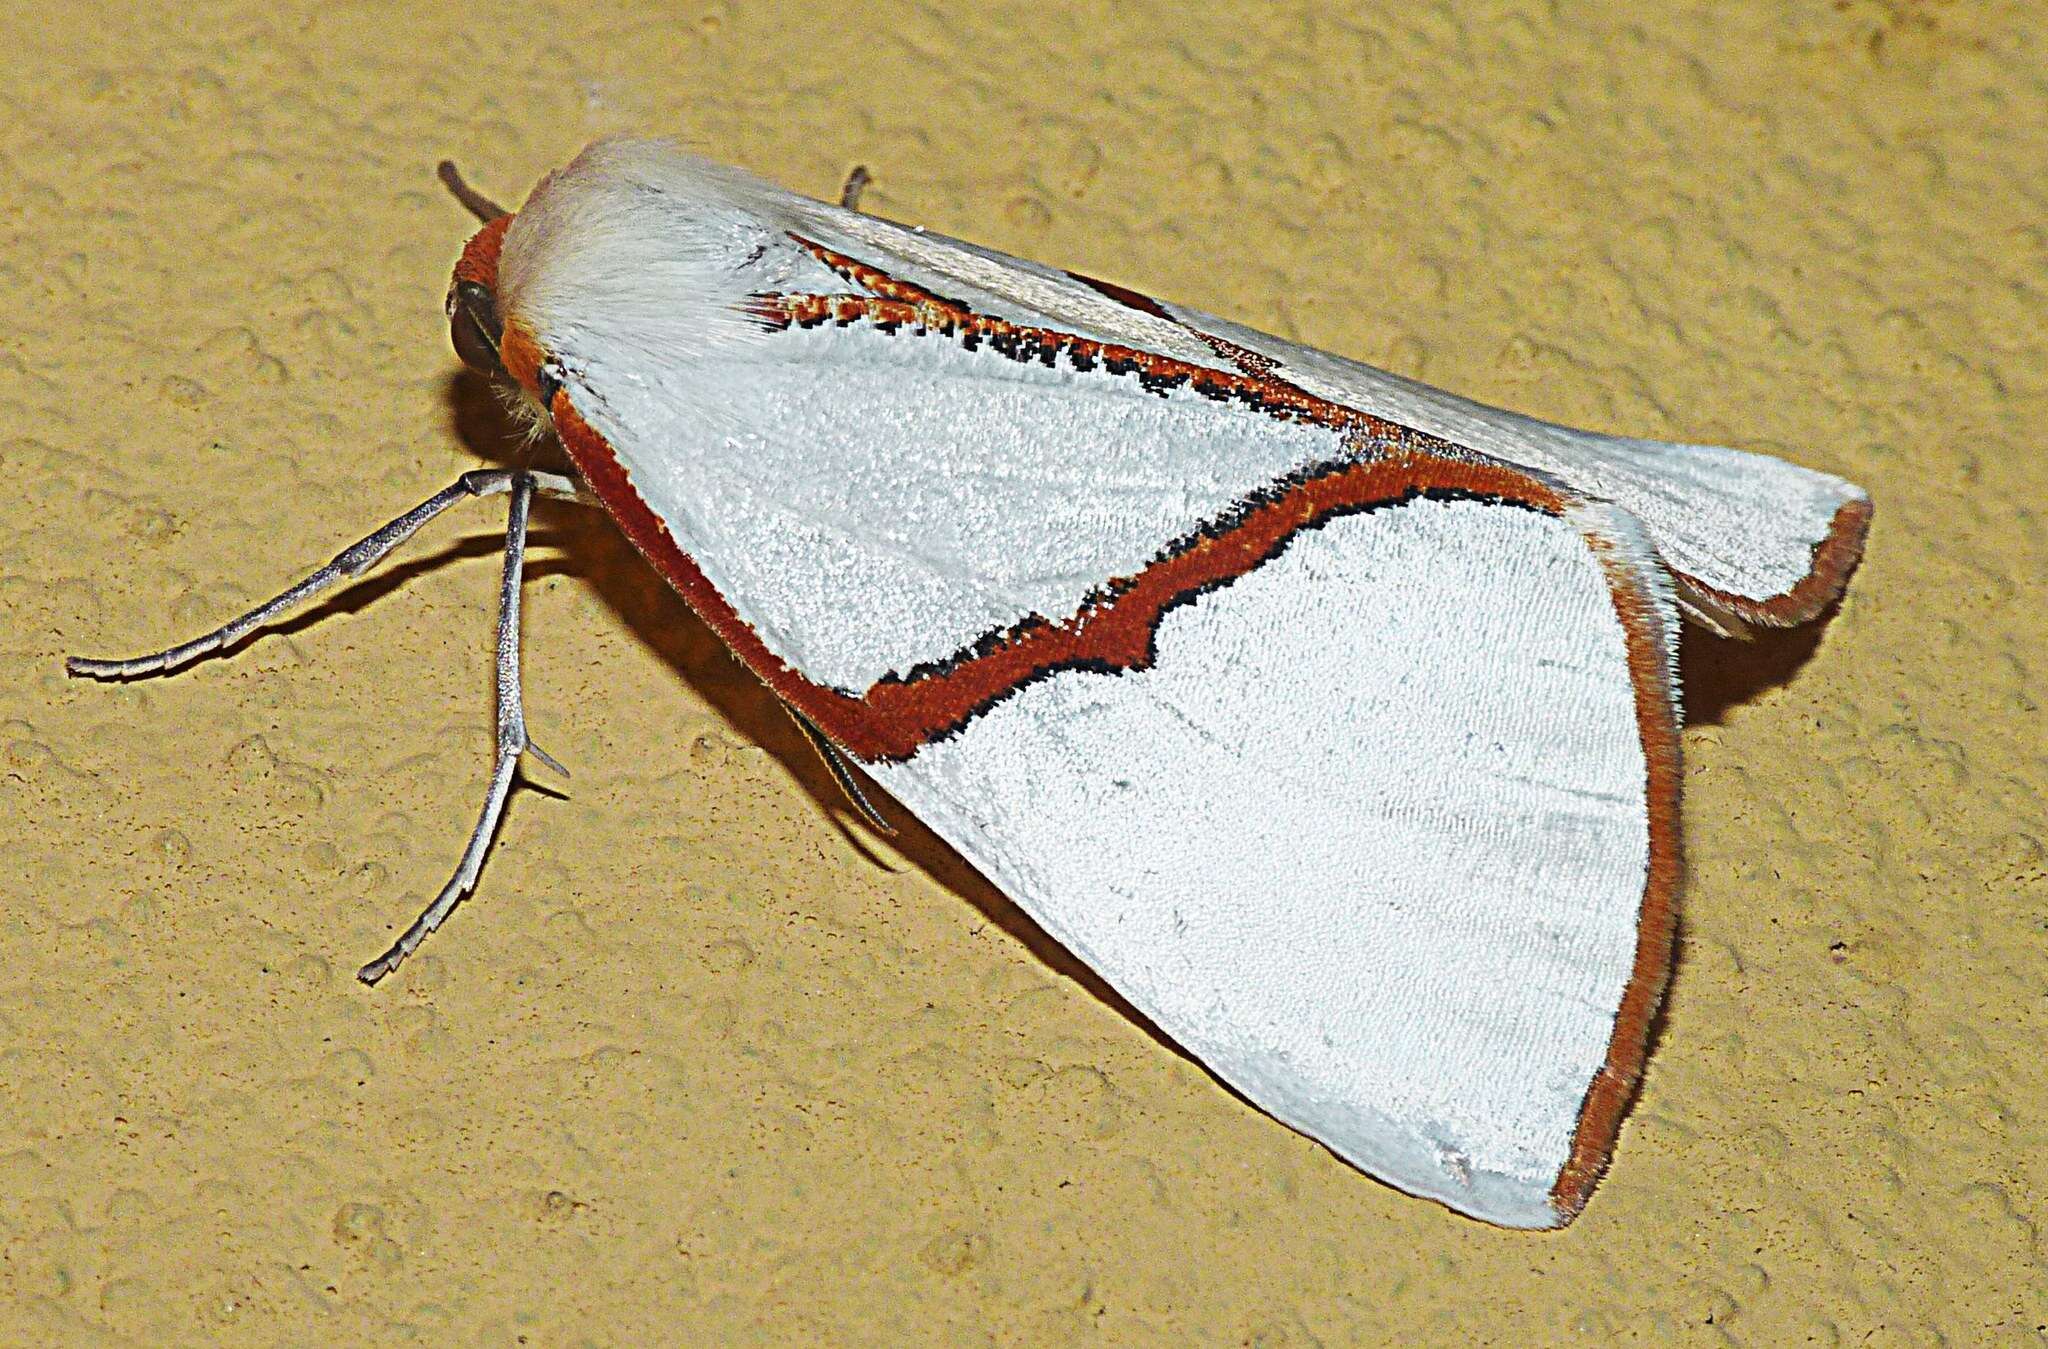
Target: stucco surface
column 699, row 1063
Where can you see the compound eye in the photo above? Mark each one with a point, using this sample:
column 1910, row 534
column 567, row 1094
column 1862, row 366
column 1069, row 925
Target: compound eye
column 474, row 328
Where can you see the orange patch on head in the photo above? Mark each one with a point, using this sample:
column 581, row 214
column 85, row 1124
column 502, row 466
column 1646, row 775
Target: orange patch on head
column 479, row 261
column 521, row 357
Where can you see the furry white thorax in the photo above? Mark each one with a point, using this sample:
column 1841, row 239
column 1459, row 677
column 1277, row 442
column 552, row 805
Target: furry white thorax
column 641, row 251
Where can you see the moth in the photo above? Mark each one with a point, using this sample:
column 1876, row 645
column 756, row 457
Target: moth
column 1330, row 717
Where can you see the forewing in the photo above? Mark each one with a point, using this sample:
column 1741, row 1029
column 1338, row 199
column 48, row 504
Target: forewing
column 1751, row 538
column 649, row 258
column 1357, row 777
column 873, row 502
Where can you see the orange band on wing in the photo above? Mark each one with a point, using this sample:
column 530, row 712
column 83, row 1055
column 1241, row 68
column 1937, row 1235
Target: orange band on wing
column 1834, row 558
column 892, row 305
column 1614, row 1086
column 1113, row 630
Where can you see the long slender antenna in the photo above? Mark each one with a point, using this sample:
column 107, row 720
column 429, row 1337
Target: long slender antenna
column 480, row 206
column 856, row 183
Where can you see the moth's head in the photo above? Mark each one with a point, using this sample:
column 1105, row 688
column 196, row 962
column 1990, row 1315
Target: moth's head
column 476, row 318
column 474, row 324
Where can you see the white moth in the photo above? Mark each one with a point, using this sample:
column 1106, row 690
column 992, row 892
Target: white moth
column 1330, row 717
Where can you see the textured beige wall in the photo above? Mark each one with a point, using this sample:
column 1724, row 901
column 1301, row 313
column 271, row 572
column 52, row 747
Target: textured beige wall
column 695, row 1062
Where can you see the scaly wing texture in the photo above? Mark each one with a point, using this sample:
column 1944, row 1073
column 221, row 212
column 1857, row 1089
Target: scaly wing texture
column 1751, row 538
column 1371, row 837
column 876, row 503
column 1350, row 759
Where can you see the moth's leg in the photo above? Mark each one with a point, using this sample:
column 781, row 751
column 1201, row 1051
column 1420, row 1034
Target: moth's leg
column 512, row 742
column 842, row 772
column 856, row 182
column 348, row 564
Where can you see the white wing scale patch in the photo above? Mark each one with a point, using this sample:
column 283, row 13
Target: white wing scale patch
column 1741, row 523
column 872, row 502
column 1746, row 524
column 1324, row 843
